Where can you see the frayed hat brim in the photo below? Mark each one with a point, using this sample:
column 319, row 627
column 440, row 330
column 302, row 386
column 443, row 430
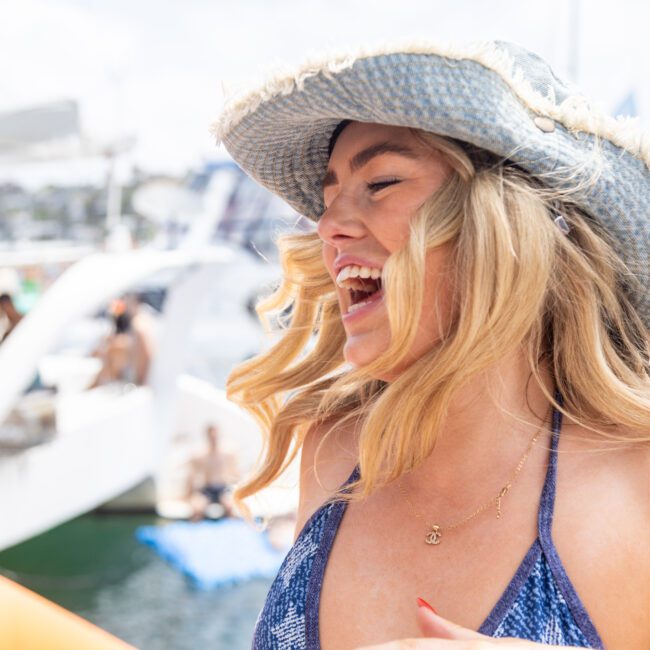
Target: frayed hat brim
column 496, row 96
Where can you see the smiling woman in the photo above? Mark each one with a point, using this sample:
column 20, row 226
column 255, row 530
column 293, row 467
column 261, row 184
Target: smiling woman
column 385, row 174
column 479, row 391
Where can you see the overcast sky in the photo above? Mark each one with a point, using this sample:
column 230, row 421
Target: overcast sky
column 158, row 69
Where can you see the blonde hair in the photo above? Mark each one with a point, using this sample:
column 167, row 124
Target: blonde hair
column 518, row 282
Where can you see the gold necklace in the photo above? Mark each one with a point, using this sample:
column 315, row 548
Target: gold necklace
column 434, row 535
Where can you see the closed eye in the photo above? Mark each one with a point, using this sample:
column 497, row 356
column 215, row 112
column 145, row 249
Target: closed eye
column 380, row 185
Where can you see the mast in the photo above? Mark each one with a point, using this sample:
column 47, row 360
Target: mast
column 574, row 40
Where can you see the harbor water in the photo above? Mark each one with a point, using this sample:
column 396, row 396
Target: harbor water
column 94, row 566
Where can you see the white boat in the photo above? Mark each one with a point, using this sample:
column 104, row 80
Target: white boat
column 96, row 444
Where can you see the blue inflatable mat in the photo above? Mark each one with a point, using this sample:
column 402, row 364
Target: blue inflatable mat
column 214, row 553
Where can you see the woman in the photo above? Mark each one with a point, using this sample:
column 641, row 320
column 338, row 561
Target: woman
column 125, row 352
column 478, row 287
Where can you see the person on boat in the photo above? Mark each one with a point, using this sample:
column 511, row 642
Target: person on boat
column 11, row 314
column 474, row 416
column 124, row 353
column 212, row 473
column 143, row 321
column 12, row 317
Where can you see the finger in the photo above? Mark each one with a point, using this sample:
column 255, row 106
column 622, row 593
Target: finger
column 413, row 644
column 433, row 625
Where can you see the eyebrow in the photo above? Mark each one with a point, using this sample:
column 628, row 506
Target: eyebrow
column 366, row 155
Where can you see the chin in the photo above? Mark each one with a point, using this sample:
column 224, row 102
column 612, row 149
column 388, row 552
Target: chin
column 358, row 356
column 359, row 353
column 363, row 346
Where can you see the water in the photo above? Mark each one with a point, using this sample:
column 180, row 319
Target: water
column 94, row 566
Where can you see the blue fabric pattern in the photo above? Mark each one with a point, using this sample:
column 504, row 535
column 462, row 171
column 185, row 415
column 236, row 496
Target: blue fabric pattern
column 540, row 603
column 281, row 623
column 540, row 612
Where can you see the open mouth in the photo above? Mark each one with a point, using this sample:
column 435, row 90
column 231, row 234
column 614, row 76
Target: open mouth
column 363, row 284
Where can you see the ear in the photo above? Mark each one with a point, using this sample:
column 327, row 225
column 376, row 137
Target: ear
column 434, row 626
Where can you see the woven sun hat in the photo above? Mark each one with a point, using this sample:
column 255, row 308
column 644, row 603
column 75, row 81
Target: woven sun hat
column 496, row 96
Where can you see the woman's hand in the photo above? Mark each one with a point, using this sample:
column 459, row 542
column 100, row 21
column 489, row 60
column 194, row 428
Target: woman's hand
column 441, row 634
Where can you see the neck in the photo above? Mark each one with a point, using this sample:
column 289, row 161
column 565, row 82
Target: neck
column 489, row 426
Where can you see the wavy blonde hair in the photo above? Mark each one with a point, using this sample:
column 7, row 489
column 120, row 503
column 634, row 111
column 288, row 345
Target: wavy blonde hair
column 519, row 282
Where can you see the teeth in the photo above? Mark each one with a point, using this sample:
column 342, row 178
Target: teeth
column 354, row 271
column 358, row 305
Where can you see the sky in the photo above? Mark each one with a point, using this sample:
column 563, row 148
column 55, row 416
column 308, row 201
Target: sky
column 160, row 70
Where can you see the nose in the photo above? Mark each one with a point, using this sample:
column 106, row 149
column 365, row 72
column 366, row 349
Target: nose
column 340, row 223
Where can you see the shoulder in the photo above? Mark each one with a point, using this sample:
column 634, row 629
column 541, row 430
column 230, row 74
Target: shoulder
column 602, row 524
column 328, row 457
column 625, row 524
column 614, row 473
column 624, row 459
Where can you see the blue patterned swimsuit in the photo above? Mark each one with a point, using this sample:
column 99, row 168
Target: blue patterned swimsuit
column 540, row 603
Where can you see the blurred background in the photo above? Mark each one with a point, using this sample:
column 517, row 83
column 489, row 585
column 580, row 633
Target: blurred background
column 132, row 253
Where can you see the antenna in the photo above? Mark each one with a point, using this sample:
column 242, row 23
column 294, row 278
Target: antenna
column 574, row 40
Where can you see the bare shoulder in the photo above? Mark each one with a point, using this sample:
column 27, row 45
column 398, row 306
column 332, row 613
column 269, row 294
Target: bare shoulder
column 601, row 526
column 328, row 458
column 616, row 474
column 632, row 469
column 625, row 556
column 628, row 463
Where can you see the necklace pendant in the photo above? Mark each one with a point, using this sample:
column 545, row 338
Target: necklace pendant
column 434, row 536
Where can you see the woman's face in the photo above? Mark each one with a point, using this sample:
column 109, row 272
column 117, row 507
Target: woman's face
column 378, row 177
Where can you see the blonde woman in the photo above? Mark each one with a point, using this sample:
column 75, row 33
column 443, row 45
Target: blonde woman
column 474, row 419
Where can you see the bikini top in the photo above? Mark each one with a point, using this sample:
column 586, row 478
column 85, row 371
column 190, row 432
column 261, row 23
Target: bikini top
column 539, row 604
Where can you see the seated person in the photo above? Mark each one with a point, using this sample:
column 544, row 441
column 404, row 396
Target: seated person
column 12, row 317
column 11, row 314
column 124, row 353
column 211, row 475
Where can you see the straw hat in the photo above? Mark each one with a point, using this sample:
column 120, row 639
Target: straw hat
column 495, row 95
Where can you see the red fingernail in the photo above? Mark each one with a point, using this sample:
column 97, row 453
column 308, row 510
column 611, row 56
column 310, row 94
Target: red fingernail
column 424, row 603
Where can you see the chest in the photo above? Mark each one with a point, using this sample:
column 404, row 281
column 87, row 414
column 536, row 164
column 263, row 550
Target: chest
column 379, row 564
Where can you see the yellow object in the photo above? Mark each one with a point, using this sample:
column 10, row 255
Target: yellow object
column 30, row 622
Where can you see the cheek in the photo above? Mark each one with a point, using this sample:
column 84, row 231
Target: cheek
column 329, row 255
column 392, row 226
column 439, row 289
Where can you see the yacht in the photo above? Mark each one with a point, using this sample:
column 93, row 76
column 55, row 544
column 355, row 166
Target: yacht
column 67, row 447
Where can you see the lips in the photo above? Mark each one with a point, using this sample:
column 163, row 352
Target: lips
column 365, row 304
column 354, row 271
column 363, row 284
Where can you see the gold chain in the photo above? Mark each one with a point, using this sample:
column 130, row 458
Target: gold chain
column 434, row 536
